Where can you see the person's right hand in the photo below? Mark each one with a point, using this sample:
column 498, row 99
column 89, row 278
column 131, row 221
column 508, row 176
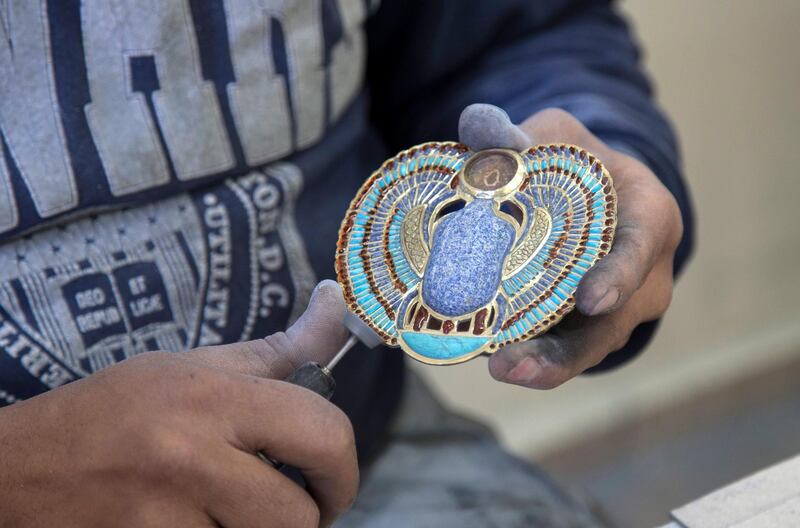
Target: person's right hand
column 171, row 439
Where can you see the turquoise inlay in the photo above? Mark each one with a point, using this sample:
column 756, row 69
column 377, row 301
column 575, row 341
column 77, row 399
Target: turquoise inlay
column 443, row 347
column 397, row 256
column 570, row 281
column 366, row 296
column 582, row 265
column 512, row 333
column 367, row 302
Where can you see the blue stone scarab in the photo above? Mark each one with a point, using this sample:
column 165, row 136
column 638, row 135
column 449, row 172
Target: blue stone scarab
column 450, row 253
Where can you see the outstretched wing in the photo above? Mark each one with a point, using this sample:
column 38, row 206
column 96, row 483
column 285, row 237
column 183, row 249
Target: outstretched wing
column 571, row 206
column 383, row 241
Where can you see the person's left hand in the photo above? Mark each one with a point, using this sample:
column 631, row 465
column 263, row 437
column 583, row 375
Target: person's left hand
column 631, row 285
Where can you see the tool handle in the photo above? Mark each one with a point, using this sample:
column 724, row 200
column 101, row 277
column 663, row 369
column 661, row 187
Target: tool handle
column 314, row 377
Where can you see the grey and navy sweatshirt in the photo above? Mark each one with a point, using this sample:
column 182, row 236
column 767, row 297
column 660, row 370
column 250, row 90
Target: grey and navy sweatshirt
column 173, row 172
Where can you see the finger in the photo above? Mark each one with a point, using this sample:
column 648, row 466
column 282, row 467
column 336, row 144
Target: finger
column 316, row 336
column 645, row 221
column 550, row 360
column 554, row 125
column 483, row 126
column 299, row 428
column 581, row 342
column 320, row 331
column 246, row 492
column 165, row 512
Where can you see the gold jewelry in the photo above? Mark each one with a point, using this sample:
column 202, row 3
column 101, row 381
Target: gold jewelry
column 450, row 253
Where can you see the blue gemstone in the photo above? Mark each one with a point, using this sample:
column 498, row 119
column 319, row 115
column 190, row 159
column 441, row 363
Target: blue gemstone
column 443, row 347
column 466, row 261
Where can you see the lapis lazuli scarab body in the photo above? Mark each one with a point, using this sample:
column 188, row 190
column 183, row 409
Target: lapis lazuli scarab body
column 463, row 271
column 449, row 253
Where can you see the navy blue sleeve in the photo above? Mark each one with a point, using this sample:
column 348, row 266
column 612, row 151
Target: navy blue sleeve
column 428, row 62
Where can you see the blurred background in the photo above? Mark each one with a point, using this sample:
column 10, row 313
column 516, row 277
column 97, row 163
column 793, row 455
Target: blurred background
column 716, row 396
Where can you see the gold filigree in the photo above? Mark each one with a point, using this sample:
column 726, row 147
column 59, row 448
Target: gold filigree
column 528, row 247
column 411, row 239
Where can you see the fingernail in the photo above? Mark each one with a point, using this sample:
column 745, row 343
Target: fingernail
column 324, row 287
column 605, row 303
column 483, row 126
column 523, row 372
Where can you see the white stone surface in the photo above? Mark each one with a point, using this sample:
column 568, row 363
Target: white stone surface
column 768, row 499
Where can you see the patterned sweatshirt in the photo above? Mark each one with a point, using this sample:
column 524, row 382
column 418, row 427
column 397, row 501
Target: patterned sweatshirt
column 173, row 172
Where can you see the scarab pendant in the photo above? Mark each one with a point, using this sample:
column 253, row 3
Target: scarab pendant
column 450, row 253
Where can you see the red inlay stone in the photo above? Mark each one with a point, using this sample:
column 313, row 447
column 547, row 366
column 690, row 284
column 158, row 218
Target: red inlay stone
column 420, row 318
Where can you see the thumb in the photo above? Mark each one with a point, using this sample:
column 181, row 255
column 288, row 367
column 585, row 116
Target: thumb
column 320, row 332
column 484, row 126
column 316, row 336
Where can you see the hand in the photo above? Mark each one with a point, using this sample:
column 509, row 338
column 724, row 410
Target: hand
column 631, row 285
column 171, row 439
